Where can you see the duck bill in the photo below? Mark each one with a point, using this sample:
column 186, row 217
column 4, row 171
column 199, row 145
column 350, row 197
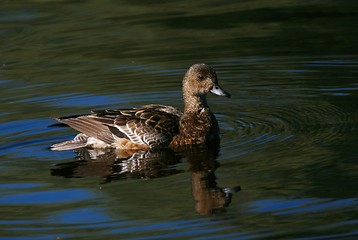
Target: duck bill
column 219, row 91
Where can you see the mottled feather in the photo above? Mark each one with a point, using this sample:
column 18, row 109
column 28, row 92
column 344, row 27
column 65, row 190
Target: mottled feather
column 151, row 125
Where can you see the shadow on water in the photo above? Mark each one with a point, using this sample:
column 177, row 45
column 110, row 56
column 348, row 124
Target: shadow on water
column 112, row 165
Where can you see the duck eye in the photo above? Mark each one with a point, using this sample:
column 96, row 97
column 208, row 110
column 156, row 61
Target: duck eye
column 201, row 77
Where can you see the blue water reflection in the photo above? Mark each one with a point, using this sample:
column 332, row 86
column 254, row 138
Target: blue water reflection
column 295, row 206
column 47, row 197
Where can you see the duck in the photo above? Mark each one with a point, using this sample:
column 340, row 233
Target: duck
column 152, row 126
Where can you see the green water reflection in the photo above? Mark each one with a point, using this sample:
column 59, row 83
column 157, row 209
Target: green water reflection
column 288, row 133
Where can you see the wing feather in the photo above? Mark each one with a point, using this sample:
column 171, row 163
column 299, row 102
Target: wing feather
column 89, row 126
column 152, row 125
column 149, row 125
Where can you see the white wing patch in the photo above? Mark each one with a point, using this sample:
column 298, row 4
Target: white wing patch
column 142, row 135
column 132, row 135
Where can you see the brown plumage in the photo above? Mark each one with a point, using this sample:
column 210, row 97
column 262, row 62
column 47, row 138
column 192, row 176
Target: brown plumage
column 152, row 126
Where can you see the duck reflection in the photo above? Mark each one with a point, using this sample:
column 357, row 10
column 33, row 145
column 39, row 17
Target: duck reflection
column 209, row 198
column 112, row 165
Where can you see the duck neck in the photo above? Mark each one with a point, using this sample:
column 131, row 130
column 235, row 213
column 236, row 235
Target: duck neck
column 194, row 103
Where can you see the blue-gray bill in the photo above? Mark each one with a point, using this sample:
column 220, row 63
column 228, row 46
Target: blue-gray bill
column 219, row 91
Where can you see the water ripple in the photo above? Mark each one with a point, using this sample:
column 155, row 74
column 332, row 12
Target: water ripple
column 254, row 129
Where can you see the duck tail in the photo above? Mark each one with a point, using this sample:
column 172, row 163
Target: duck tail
column 80, row 141
column 67, row 145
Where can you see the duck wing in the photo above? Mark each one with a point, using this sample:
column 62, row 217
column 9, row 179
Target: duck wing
column 152, row 125
column 90, row 126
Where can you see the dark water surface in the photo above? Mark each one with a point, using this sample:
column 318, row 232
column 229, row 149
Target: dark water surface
column 289, row 132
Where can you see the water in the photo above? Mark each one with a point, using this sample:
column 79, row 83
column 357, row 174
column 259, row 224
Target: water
column 288, row 132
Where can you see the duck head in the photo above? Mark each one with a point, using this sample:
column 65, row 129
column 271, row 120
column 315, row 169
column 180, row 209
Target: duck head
column 201, row 79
